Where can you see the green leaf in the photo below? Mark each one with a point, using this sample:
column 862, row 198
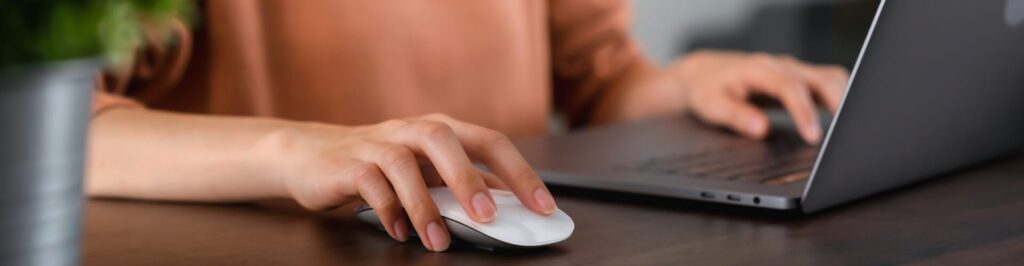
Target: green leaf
column 33, row 31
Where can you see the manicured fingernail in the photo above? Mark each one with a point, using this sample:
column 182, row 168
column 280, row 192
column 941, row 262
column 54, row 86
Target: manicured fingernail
column 401, row 231
column 437, row 237
column 544, row 199
column 483, row 206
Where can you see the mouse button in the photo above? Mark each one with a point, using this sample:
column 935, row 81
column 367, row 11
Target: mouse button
column 515, row 213
column 531, row 229
column 549, row 229
column 506, row 227
column 507, row 231
column 447, row 205
column 506, row 198
column 520, row 226
column 503, row 194
column 442, row 195
column 443, row 198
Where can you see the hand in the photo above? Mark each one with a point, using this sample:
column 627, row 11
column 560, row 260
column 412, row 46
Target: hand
column 327, row 166
column 718, row 85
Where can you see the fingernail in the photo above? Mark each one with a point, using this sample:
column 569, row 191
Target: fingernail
column 437, row 237
column 544, row 199
column 756, row 126
column 401, row 231
column 814, row 134
column 483, row 206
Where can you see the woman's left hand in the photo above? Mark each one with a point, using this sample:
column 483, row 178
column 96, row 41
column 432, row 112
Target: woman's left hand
column 717, row 86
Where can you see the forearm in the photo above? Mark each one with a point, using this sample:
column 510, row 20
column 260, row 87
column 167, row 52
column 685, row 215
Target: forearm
column 165, row 156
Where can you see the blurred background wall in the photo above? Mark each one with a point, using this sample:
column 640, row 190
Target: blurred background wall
column 824, row 31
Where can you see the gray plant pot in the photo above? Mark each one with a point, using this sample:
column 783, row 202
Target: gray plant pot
column 44, row 115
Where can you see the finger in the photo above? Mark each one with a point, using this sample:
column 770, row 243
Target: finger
column 735, row 113
column 377, row 191
column 336, row 187
column 801, row 107
column 827, row 82
column 430, row 174
column 494, row 181
column 437, row 141
column 794, row 93
column 401, row 170
column 498, row 153
column 434, row 179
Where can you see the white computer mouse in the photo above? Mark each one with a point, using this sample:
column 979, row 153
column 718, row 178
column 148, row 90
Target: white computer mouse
column 515, row 226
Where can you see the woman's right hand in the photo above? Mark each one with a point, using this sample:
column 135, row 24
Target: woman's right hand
column 391, row 164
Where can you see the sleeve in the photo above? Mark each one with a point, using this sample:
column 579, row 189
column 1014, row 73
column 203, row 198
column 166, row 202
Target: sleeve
column 592, row 54
column 157, row 68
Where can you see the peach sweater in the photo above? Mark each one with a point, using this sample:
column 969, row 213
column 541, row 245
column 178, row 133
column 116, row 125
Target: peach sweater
column 503, row 64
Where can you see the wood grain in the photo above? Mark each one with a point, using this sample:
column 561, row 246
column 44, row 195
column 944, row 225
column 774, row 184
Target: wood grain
column 971, row 217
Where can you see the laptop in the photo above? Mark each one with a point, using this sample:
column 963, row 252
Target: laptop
column 938, row 86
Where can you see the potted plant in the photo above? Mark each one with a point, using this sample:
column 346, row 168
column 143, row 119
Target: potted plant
column 50, row 54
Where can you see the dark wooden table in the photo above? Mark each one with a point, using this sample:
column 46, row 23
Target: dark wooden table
column 973, row 217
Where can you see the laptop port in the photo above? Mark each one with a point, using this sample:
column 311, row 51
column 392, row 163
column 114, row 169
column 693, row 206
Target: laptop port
column 732, row 197
column 757, row 200
column 707, row 195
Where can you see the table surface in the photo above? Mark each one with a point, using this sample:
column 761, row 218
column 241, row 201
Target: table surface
column 972, row 217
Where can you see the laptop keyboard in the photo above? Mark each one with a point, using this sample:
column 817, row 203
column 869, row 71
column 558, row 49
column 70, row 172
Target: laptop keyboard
column 774, row 162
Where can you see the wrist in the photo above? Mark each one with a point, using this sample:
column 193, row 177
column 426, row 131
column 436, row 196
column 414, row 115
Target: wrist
column 284, row 153
column 652, row 92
